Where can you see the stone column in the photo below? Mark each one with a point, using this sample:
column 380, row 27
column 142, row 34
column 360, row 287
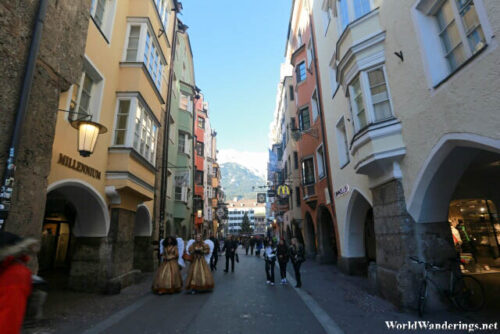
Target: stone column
column 143, row 254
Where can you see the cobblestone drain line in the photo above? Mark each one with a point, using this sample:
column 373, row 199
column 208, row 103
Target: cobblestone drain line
column 328, row 324
column 115, row 318
column 323, row 318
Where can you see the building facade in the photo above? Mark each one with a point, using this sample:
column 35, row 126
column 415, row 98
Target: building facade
column 413, row 131
column 238, row 209
column 58, row 65
column 98, row 220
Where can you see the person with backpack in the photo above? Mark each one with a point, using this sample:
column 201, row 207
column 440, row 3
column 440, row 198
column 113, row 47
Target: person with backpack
column 297, row 256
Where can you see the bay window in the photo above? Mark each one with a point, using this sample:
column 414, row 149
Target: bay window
column 163, row 12
column 351, row 10
column 136, row 126
column 370, row 99
column 315, row 105
column 141, row 45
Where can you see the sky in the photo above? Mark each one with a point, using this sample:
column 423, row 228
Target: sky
column 238, row 46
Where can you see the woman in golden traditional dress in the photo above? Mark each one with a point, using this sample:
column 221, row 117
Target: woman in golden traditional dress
column 199, row 277
column 168, row 278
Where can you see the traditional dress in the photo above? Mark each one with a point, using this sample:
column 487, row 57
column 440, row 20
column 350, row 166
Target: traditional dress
column 168, row 277
column 199, row 276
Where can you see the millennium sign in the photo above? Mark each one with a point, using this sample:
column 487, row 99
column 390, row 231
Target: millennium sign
column 78, row 166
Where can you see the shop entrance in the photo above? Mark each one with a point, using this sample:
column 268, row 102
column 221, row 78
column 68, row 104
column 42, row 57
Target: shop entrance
column 57, row 241
column 327, row 239
column 310, row 242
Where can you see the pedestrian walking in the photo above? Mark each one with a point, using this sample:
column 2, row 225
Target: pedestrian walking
column 15, row 280
column 199, row 277
column 252, row 244
column 258, row 248
column 168, row 277
column 283, row 257
column 230, row 246
column 270, row 259
column 247, row 245
column 297, row 257
column 215, row 254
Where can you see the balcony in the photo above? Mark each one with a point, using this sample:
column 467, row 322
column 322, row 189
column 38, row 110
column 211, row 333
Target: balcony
column 377, row 149
column 360, row 46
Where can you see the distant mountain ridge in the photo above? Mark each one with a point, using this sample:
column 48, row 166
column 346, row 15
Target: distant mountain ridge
column 238, row 180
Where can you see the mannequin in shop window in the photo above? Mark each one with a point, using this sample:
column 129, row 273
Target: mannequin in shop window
column 455, row 233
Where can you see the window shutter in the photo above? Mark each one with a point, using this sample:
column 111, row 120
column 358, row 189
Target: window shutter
column 187, row 145
column 184, row 194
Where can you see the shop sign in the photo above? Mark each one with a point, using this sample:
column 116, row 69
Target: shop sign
column 342, row 191
column 78, row 166
column 261, row 198
column 283, row 191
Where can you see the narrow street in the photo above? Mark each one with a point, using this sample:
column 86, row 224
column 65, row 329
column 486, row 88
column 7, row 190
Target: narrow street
column 240, row 303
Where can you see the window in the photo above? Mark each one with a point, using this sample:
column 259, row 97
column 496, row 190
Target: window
column 370, row 98
column 181, row 186
column 290, row 88
column 333, row 75
column 199, row 148
column 300, row 72
column 320, row 159
column 135, row 126
column 297, row 196
column 309, row 53
column 326, row 14
column 379, row 95
column 89, row 94
column 304, row 119
column 342, row 147
column 121, row 122
column 163, row 11
column 142, row 46
column 450, row 34
column 199, row 178
column 454, row 44
column 299, row 39
column 102, row 12
column 351, row 10
column 201, row 122
column 186, row 102
column 308, row 171
column 145, row 133
column 295, row 160
column 184, row 144
column 315, row 105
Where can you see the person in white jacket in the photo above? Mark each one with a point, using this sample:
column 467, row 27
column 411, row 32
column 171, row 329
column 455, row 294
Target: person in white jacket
column 270, row 258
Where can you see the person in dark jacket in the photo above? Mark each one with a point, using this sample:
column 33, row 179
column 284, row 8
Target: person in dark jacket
column 259, row 247
column 215, row 254
column 252, row 244
column 283, row 258
column 230, row 246
column 15, row 280
column 297, row 256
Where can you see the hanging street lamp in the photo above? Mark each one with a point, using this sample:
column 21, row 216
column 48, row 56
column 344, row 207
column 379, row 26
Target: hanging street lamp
column 88, row 132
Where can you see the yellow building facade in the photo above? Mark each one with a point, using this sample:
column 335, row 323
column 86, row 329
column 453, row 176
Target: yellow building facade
column 98, row 225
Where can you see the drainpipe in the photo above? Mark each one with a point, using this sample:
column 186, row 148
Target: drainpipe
column 164, row 171
column 8, row 177
column 320, row 102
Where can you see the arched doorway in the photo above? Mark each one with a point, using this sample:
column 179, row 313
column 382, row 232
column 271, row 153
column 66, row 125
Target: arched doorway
column 143, row 251
column 361, row 242
column 76, row 216
column 326, row 238
column 310, row 237
column 455, row 202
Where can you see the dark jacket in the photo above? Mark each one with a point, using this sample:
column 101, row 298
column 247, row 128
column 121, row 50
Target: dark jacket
column 216, row 247
column 283, row 255
column 297, row 254
column 230, row 247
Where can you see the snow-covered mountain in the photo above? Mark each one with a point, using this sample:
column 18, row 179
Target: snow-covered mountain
column 256, row 162
column 238, row 180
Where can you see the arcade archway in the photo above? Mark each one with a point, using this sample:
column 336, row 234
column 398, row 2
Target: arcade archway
column 326, row 237
column 310, row 237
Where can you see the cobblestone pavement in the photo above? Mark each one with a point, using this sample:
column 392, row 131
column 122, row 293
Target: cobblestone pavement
column 240, row 303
